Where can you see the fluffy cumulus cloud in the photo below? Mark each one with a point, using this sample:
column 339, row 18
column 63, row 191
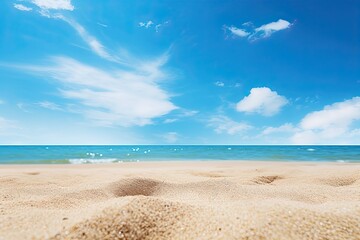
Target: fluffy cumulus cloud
column 331, row 124
column 223, row 124
column 54, row 4
column 254, row 33
column 22, row 7
column 111, row 97
column 263, row 101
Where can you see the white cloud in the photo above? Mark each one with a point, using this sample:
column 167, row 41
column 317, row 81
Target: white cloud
column 285, row 128
column 146, row 24
column 263, row 101
column 1, row 101
column 170, row 120
column 22, row 7
column 237, row 31
column 112, row 97
column 50, row 105
column 223, row 124
column 330, row 124
column 219, row 84
column 171, row 137
column 188, row 113
column 151, row 24
column 90, row 40
column 161, row 25
column 263, row 31
column 267, row 30
column 54, row 4
column 103, row 25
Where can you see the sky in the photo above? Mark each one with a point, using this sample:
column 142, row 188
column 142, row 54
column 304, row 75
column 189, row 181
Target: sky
column 179, row 72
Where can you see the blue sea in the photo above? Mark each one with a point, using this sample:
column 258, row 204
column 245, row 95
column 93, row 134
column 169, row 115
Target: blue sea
column 135, row 153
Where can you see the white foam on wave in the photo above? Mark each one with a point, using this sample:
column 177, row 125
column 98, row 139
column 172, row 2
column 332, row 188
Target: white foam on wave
column 92, row 160
column 341, row 161
column 310, row 149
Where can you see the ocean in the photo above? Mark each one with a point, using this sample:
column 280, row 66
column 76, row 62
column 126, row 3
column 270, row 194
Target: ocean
column 135, row 153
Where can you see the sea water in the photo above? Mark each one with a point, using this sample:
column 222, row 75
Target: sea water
column 135, row 153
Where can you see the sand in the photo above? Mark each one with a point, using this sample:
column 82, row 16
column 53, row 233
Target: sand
column 181, row 200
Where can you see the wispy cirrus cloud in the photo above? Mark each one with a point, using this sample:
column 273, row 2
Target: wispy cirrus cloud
column 22, row 7
column 252, row 33
column 54, row 4
column 50, row 105
column 94, row 44
column 127, row 95
column 52, row 9
column 285, row 128
column 223, row 124
column 111, row 97
column 263, row 101
column 150, row 24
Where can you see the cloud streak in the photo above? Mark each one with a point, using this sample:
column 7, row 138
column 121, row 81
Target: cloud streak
column 90, row 40
column 52, row 9
column 22, row 7
column 223, row 124
column 151, row 24
column 111, row 97
column 54, row 4
column 264, row 31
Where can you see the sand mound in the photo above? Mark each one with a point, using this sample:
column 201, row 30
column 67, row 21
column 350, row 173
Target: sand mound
column 134, row 187
column 142, row 218
column 152, row 218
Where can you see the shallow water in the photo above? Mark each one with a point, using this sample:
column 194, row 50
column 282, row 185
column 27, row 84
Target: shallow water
column 131, row 153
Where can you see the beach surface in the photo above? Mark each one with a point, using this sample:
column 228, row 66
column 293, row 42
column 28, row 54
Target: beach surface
column 181, row 200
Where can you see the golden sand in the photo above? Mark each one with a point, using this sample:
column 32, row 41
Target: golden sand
column 181, row 200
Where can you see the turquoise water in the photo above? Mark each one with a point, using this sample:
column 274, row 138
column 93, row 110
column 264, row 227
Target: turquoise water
column 134, row 153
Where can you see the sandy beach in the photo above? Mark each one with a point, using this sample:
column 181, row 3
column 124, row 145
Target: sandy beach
column 181, row 200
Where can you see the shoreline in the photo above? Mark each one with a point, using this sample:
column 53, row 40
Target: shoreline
column 192, row 161
column 181, row 200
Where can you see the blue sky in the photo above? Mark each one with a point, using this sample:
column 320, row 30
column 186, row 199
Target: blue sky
column 179, row 72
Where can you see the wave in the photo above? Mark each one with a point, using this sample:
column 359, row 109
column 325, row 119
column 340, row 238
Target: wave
column 93, row 160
